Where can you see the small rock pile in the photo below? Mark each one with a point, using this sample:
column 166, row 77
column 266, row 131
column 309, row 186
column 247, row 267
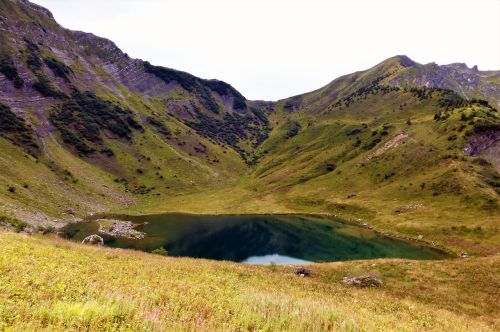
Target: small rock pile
column 363, row 281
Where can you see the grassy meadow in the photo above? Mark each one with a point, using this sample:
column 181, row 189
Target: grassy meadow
column 49, row 284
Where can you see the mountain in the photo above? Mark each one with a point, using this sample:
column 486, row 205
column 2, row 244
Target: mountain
column 411, row 149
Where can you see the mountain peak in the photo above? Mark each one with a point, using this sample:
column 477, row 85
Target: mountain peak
column 402, row 60
column 405, row 61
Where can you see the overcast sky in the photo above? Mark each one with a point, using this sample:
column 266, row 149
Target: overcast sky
column 275, row 49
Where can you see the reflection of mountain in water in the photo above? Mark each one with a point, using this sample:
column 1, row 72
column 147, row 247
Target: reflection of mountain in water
column 274, row 259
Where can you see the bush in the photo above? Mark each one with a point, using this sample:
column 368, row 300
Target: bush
column 162, row 129
column 46, row 229
column 188, row 82
column 330, row 167
column 8, row 68
column 224, row 89
column 10, row 221
column 16, row 129
column 160, row 251
column 83, row 117
column 45, row 87
column 59, row 68
column 292, row 129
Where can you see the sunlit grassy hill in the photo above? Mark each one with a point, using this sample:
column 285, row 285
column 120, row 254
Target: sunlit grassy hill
column 54, row 285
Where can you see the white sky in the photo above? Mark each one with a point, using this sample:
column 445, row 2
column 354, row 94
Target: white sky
column 275, row 49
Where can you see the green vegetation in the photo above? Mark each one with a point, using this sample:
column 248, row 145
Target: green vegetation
column 17, row 224
column 105, row 289
column 82, row 119
column 46, row 88
column 58, row 68
column 160, row 251
column 370, row 147
column 160, row 126
column 224, row 89
column 188, row 82
column 34, row 62
column 33, row 56
column 16, row 129
column 8, row 68
column 232, row 129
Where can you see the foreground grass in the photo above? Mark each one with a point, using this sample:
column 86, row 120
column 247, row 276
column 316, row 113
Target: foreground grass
column 52, row 284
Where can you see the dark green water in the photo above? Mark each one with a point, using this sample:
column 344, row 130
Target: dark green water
column 258, row 239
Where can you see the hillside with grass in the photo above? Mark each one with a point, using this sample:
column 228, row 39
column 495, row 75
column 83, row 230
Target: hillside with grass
column 410, row 149
column 55, row 285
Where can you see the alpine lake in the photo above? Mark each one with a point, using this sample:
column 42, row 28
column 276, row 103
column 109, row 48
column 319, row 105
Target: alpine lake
column 254, row 239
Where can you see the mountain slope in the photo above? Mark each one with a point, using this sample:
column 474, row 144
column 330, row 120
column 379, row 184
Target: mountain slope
column 411, row 149
column 103, row 129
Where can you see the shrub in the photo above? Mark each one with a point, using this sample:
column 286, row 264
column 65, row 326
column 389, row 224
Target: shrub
column 292, row 129
column 162, row 129
column 188, row 82
column 34, row 62
column 160, row 251
column 46, row 229
column 83, row 117
column 224, row 89
column 45, row 87
column 17, row 224
column 330, row 167
column 59, row 68
column 8, row 68
column 15, row 129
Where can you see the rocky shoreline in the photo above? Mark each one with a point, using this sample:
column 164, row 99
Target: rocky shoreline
column 118, row 228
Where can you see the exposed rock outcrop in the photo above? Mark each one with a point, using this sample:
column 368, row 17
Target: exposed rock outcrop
column 93, row 239
column 118, row 228
column 487, row 144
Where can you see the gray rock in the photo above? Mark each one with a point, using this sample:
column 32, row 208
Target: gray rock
column 363, row 281
column 94, row 239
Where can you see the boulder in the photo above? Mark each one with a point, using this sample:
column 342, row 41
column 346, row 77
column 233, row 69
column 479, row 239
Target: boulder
column 302, row 272
column 94, row 239
column 363, row 281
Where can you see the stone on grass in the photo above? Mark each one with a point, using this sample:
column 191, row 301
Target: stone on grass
column 302, row 272
column 363, row 281
column 94, row 239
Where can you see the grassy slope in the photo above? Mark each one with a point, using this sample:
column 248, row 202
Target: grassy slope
column 182, row 164
column 52, row 284
column 442, row 197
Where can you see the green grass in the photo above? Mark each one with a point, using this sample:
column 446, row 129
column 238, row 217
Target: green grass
column 324, row 155
column 51, row 284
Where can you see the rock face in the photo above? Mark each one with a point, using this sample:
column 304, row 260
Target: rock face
column 363, row 281
column 94, row 239
column 468, row 82
column 485, row 144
